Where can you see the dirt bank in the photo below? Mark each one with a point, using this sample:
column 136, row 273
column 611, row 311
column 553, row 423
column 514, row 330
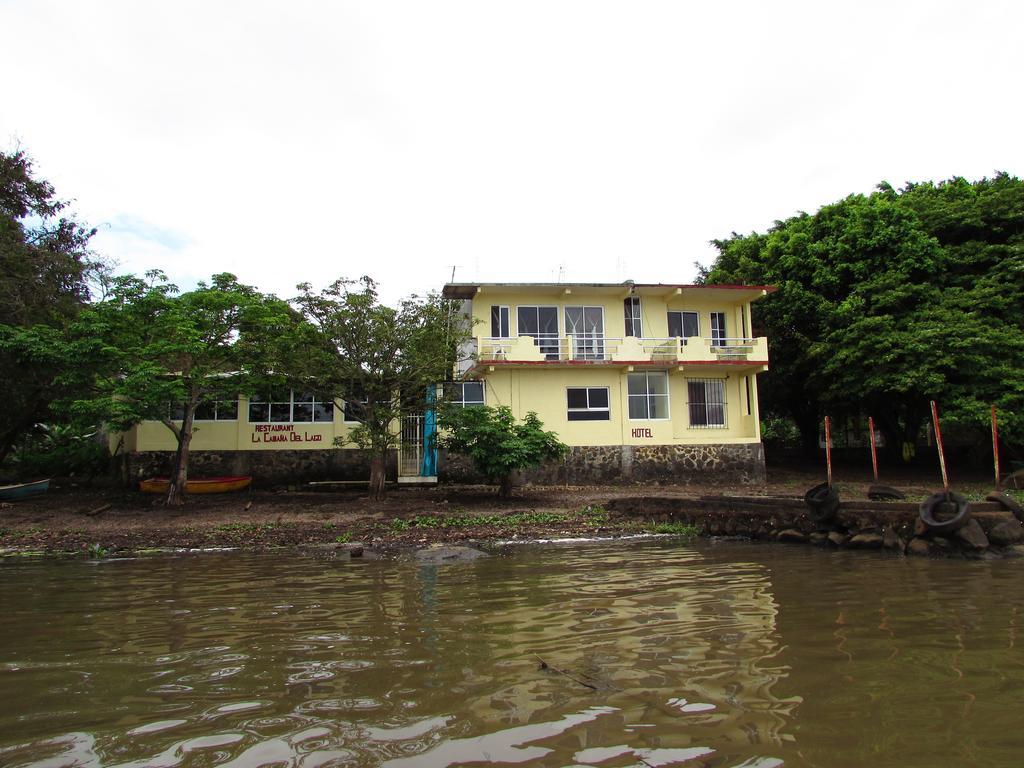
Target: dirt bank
column 74, row 520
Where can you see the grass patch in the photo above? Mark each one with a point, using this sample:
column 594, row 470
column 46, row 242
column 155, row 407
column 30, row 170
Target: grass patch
column 686, row 530
column 344, row 538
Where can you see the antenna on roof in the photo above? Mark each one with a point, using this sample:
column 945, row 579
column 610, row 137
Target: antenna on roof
column 561, row 272
column 453, row 273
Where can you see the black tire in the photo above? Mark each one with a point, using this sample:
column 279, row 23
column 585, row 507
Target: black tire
column 822, row 502
column 1007, row 503
column 936, row 500
column 884, row 493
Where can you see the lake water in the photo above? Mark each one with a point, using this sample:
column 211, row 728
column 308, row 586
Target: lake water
column 657, row 654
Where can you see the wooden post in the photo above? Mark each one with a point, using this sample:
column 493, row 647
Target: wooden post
column 938, row 444
column 874, row 448
column 828, row 448
column 995, row 449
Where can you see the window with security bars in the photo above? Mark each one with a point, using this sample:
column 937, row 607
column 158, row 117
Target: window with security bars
column 587, row 403
column 707, row 403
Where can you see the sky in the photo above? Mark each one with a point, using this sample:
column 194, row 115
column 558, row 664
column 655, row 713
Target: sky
column 510, row 141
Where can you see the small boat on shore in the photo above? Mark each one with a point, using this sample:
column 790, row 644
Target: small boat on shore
column 224, row 484
column 23, row 490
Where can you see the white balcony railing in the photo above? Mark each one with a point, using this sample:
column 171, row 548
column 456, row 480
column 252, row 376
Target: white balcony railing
column 595, row 348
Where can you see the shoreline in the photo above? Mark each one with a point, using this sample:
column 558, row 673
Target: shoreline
column 107, row 522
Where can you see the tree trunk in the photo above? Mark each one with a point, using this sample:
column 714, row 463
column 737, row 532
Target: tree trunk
column 179, row 474
column 505, row 488
column 378, row 472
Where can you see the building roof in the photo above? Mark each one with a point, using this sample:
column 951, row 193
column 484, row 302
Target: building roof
column 470, row 290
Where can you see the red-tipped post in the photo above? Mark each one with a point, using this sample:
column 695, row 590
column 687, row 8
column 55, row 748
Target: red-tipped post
column 995, row 448
column 828, row 449
column 874, row 448
column 938, row 443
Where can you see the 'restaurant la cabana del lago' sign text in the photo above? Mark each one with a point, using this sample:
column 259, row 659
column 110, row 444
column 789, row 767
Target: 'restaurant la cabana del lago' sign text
column 282, row 433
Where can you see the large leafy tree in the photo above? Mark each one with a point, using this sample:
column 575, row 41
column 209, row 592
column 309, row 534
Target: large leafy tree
column 160, row 350
column 497, row 444
column 889, row 300
column 381, row 360
column 45, row 264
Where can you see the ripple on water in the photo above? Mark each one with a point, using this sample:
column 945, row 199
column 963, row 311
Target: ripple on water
column 715, row 653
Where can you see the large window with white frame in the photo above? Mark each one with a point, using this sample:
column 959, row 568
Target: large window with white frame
column 542, row 324
column 586, row 326
column 648, row 395
column 587, row 404
column 290, row 406
column 631, row 309
column 707, row 403
column 683, row 324
column 464, row 394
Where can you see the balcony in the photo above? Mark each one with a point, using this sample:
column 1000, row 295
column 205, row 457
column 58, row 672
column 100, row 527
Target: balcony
column 628, row 351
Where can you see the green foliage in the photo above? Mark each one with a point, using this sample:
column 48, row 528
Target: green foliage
column 381, row 360
column 154, row 346
column 61, row 450
column 779, row 431
column 496, row 443
column 97, row 551
column 685, row 530
column 343, row 538
column 45, row 266
column 890, row 300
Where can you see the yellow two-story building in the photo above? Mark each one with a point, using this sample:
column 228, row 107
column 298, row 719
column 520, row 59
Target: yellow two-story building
column 643, row 381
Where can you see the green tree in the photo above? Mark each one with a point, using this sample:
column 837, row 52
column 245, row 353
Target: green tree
column 381, row 360
column 157, row 348
column 45, row 265
column 887, row 301
column 497, row 444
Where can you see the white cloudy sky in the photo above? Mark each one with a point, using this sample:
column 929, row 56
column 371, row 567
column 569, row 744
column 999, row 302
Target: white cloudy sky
column 296, row 141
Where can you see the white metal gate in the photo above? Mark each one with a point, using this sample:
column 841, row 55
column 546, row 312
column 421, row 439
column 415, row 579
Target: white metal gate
column 410, row 447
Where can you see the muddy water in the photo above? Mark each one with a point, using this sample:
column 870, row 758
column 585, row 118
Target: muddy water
column 657, row 654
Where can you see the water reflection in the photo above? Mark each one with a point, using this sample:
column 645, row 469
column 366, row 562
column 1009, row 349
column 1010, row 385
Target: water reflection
column 604, row 655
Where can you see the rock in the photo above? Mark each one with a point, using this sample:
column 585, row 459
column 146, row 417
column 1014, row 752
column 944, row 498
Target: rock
column 920, row 529
column 440, row 553
column 941, row 542
column 972, row 535
column 867, row 541
column 837, row 539
column 890, row 540
column 818, row 537
column 1017, row 550
column 921, row 547
column 791, row 534
column 1006, row 533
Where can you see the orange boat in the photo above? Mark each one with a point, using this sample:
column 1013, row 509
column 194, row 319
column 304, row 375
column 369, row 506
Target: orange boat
column 198, row 484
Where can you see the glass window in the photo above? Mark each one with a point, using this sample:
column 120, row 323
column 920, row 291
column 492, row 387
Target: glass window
column 354, row 406
column 207, row 410
column 289, row 407
column 707, row 402
column 542, row 324
column 499, row 322
column 648, row 395
column 683, row 324
column 465, row 393
column 718, row 334
column 631, row 308
column 587, row 403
